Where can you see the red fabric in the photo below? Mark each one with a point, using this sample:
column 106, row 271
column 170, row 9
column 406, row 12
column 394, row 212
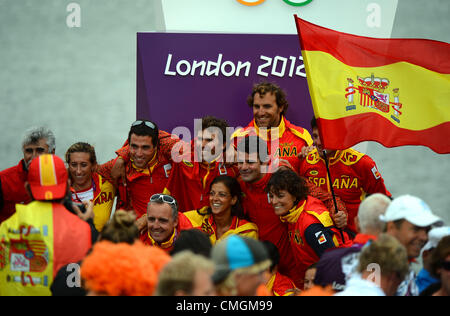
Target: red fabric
column 377, row 129
column 363, row 238
column 140, row 186
column 256, row 206
column 13, row 189
column 183, row 224
column 71, row 238
column 352, row 178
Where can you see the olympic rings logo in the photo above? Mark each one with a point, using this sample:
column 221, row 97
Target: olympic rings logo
column 258, row 2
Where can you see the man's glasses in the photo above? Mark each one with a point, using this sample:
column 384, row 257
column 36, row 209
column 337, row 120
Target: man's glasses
column 163, row 197
column 147, row 123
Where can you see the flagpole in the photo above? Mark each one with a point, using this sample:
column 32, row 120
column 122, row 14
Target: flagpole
column 329, row 179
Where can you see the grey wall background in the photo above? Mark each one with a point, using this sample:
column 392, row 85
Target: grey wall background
column 81, row 82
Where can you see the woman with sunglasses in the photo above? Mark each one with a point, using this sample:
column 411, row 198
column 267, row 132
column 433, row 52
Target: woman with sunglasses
column 224, row 216
column 87, row 184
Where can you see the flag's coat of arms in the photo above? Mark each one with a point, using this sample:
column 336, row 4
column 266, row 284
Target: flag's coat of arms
column 374, row 93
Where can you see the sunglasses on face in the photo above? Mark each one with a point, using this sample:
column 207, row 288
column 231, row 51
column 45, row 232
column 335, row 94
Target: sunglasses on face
column 163, row 197
column 147, row 123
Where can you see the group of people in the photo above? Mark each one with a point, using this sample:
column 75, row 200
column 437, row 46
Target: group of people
column 166, row 217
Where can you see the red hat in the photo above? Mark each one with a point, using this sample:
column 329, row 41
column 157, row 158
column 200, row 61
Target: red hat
column 47, row 176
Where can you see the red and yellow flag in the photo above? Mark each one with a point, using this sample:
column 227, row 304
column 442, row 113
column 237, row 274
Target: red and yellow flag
column 392, row 91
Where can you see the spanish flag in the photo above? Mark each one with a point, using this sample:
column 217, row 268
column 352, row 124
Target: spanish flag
column 392, row 91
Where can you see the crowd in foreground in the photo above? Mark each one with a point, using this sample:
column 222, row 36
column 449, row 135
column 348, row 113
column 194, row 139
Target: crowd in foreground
column 214, row 216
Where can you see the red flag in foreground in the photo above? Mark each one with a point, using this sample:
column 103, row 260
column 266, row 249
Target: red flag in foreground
column 392, row 91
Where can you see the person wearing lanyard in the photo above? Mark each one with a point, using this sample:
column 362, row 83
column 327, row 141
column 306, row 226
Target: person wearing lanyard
column 87, row 184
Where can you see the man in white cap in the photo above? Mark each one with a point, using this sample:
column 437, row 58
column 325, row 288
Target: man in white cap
column 425, row 278
column 409, row 219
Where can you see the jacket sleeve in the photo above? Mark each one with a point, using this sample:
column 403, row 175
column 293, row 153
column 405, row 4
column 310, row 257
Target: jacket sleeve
column 319, row 238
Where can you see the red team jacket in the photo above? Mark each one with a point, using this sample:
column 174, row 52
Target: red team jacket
column 183, row 224
column 353, row 176
column 258, row 209
column 13, row 189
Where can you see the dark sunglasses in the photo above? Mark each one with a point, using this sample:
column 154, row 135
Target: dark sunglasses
column 163, row 197
column 446, row 265
column 147, row 123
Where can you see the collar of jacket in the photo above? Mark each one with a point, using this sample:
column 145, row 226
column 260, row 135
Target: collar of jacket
column 294, row 213
column 166, row 244
column 272, row 133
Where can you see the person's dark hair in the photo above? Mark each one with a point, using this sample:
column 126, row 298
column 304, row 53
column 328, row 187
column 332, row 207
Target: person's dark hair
column 121, row 228
column 288, row 180
column 194, row 240
column 211, row 121
column 268, row 87
column 235, row 191
column 254, row 144
column 439, row 254
column 145, row 128
column 274, row 254
column 82, row 147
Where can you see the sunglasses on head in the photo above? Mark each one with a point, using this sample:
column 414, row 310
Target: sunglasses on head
column 163, row 197
column 147, row 123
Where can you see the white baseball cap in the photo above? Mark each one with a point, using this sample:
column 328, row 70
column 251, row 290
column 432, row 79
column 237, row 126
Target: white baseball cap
column 435, row 235
column 412, row 209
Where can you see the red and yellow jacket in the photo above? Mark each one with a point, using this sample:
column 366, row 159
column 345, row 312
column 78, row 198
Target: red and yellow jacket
column 183, row 224
column 104, row 194
column 142, row 183
column 291, row 139
column 353, row 176
column 256, row 206
column 280, row 285
column 35, row 243
column 189, row 182
column 204, row 221
column 13, row 191
column 311, row 232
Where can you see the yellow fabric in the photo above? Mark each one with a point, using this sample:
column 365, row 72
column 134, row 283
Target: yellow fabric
column 424, row 100
column 30, row 249
column 293, row 214
column 103, row 204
